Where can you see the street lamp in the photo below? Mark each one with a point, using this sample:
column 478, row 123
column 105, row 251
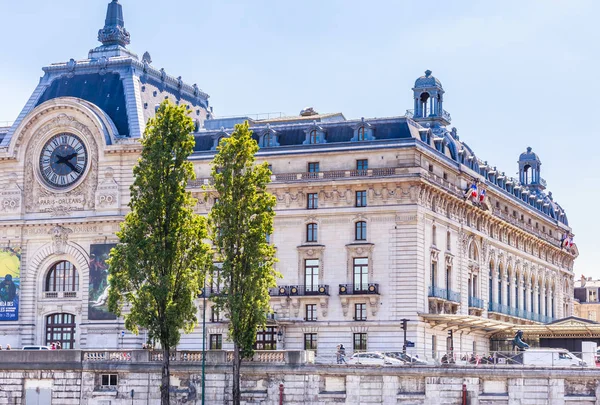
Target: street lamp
column 404, row 327
column 279, row 335
column 203, row 341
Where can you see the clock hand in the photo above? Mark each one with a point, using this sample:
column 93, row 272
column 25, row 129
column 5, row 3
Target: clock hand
column 65, row 159
column 75, row 169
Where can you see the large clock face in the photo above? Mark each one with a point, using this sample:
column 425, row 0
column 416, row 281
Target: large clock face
column 63, row 160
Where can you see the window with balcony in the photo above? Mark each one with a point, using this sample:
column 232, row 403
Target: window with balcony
column 360, row 342
column 311, row 275
column 433, row 275
column 360, row 230
column 312, row 201
column 311, row 232
column 362, row 164
column 361, row 198
column 361, row 274
column 313, row 167
column 64, row 278
column 216, row 342
column 360, row 312
column 311, row 312
column 310, row 341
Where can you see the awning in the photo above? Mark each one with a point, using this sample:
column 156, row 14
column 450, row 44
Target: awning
column 469, row 323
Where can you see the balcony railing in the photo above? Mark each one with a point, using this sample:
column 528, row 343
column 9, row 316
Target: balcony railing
column 445, row 115
column 444, row 293
column 475, row 302
column 359, row 289
column 519, row 313
column 299, row 290
column 60, row 294
column 210, row 291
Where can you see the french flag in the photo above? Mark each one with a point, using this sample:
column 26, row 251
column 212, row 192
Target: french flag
column 474, row 190
column 482, row 196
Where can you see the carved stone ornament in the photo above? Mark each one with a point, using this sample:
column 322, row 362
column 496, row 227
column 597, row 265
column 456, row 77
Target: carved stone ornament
column 60, row 236
column 435, row 254
column 107, row 192
column 11, row 196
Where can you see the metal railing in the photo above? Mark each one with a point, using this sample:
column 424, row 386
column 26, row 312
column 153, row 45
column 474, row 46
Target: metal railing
column 444, row 293
column 60, row 294
column 359, row 289
column 518, row 313
column 445, row 115
column 475, row 302
column 301, row 290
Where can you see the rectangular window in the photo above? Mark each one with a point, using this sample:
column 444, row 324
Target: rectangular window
column 360, row 342
column 313, row 167
column 311, row 312
column 360, row 230
column 311, row 232
column 362, row 164
column 216, row 342
column 433, row 275
column 215, row 316
column 266, row 339
column 313, row 201
column 310, row 341
column 361, row 274
column 109, row 380
column 360, row 312
column 361, row 198
column 311, row 275
column 433, row 346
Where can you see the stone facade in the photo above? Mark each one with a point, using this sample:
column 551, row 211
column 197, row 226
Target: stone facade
column 75, row 377
column 372, row 225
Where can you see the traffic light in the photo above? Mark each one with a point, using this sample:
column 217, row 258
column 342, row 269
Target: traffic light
column 450, row 335
column 404, row 322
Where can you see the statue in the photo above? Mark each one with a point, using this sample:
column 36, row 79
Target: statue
column 518, row 341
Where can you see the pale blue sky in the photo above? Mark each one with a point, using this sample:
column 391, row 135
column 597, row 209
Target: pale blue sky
column 516, row 73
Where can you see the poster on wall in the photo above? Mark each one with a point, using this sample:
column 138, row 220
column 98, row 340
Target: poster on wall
column 10, row 283
column 98, row 292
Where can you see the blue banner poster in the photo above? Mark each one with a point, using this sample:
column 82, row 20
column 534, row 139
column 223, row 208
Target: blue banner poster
column 10, row 283
column 98, row 292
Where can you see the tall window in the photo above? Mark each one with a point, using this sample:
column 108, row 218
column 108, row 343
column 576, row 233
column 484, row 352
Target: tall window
column 311, row 312
column 360, row 230
column 216, row 342
column 360, row 342
column 266, row 339
column 361, row 134
column 448, row 278
column 215, row 315
column 310, row 341
column 361, row 274
column 312, row 201
column 360, row 312
column 61, row 328
column 314, row 136
column 433, row 275
column 362, row 164
column 491, row 284
column 433, row 346
column 517, row 293
column 434, row 235
column 311, row 275
column 311, row 232
column 531, row 299
column 313, row 167
column 268, row 140
column 62, row 276
column 448, row 241
column 361, row 198
column 508, row 290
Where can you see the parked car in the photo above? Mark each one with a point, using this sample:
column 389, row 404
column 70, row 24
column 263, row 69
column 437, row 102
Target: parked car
column 548, row 357
column 36, row 348
column 374, row 358
column 407, row 358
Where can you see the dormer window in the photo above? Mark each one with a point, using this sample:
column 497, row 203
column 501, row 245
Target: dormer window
column 268, row 139
column 314, row 135
column 363, row 131
column 218, row 137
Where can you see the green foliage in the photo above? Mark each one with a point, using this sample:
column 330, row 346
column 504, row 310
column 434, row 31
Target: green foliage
column 158, row 267
column 239, row 223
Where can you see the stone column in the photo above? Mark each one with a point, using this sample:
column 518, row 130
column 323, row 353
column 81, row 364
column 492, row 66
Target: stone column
column 535, row 299
column 529, row 300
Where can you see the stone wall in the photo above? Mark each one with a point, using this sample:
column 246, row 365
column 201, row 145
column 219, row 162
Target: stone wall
column 72, row 377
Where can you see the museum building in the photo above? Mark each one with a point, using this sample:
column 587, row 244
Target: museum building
column 381, row 223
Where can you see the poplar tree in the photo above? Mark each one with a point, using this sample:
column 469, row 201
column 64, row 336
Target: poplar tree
column 159, row 266
column 240, row 221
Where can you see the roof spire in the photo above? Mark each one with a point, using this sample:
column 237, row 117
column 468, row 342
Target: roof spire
column 114, row 32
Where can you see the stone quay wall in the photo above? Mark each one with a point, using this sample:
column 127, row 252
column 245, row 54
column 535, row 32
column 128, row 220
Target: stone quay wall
column 69, row 377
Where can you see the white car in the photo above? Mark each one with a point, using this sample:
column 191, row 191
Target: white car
column 374, row 358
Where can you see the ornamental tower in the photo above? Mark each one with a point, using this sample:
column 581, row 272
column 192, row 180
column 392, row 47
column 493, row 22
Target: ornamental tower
column 429, row 98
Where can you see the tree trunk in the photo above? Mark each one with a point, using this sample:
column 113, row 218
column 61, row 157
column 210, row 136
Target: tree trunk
column 165, row 383
column 237, row 362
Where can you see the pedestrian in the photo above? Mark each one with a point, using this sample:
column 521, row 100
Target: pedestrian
column 58, row 346
column 7, row 347
column 338, row 355
column 0, row 347
column 53, row 346
column 342, row 354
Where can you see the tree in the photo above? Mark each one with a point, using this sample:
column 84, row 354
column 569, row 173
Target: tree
column 159, row 266
column 240, row 221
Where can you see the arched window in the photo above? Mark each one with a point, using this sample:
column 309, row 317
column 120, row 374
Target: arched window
column 61, row 328
column 473, row 253
column 361, row 134
column 314, row 136
column 63, row 276
column 360, row 230
column 267, row 140
column 311, row 232
column 491, row 283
